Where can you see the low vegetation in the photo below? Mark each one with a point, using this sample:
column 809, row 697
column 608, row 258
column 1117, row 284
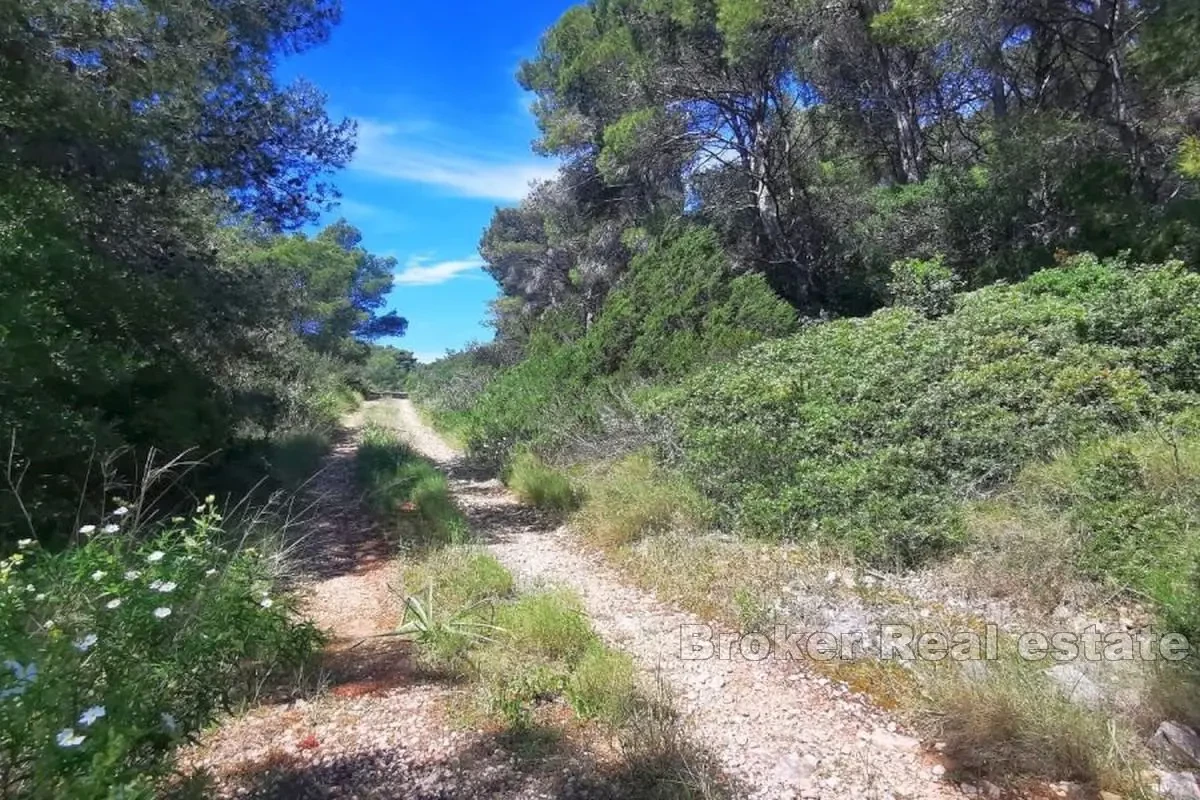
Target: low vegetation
column 403, row 487
column 121, row 648
column 540, row 485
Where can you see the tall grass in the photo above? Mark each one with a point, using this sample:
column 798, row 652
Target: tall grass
column 540, row 485
column 399, row 485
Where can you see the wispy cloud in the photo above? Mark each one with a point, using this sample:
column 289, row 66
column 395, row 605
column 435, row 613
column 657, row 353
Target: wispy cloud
column 418, row 271
column 392, row 151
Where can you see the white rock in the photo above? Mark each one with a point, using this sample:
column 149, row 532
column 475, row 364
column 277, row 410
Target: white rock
column 1178, row 741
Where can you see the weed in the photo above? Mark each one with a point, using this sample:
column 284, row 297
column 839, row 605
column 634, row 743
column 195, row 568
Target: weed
column 540, row 485
column 603, row 686
column 634, row 498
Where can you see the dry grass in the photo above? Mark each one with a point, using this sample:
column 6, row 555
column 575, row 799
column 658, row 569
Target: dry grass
column 633, row 498
column 1011, row 721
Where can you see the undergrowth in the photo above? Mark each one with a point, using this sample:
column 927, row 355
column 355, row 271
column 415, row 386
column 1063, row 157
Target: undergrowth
column 119, row 649
column 403, row 487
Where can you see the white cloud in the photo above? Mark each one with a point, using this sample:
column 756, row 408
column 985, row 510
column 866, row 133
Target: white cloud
column 393, row 151
column 419, row 272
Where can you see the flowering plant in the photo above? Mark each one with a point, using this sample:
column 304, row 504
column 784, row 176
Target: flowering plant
column 116, row 650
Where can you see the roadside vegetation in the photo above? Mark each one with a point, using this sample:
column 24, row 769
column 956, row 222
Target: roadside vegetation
column 124, row 646
column 534, row 668
column 804, row 352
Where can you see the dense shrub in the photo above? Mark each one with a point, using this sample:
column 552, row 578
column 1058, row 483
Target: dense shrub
column 678, row 308
column 866, row 432
column 120, row 648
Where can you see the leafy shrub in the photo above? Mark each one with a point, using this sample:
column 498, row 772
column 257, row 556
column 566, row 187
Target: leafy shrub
column 677, row 308
column 118, row 649
column 867, row 432
column 540, row 485
column 1131, row 504
column 927, row 286
column 634, row 498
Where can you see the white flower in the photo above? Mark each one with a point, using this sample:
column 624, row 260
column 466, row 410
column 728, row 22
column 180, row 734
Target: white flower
column 169, row 722
column 212, row 498
column 114, row 603
column 87, row 529
column 155, row 557
column 120, row 512
column 85, row 643
column 111, row 528
column 24, row 543
column 40, row 596
column 89, row 717
column 199, row 509
column 68, row 738
column 98, row 575
column 169, row 586
column 267, row 602
column 29, row 587
column 162, row 612
column 133, row 575
column 155, row 585
column 210, row 573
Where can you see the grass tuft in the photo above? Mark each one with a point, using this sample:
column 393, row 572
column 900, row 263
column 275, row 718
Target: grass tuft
column 540, row 485
column 633, row 499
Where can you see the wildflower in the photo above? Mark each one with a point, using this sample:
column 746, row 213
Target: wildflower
column 132, row 575
column 169, row 586
column 169, row 722
column 212, row 498
column 210, row 573
column 24, row 543
column 111, row 528
column 120, row 512
column 68, row 738
column 87, row 530
column 29, row 587
column 40, row 596
column 89, row 717
column 98, row 575
column 155, row 585
column 155, row 557
column 199, row 509
column 85, row 643
column 162, row 612
column 267, row 602
column 114, row 603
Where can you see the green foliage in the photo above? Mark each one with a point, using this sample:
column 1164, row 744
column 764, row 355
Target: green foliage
column 150, row 297
column 603, row 686
column 549, row 624
column 540, row 485
column 926, row 286
column 867, row 432
column 401, row 486
column 634, row 498
column 678, row 308
column 1130, row 504
column 119, row 649
column 387, row 369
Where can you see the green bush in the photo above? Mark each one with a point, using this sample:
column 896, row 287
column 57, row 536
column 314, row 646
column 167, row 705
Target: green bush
column 603, row 686
column 679, row 307
column 119, row 649
column 868, row 432
column 540, row 485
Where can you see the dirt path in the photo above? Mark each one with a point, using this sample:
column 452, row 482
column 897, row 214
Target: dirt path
column 773, row 725
column 379, row 728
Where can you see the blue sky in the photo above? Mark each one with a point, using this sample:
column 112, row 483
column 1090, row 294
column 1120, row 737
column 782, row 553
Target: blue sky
column 444, row 137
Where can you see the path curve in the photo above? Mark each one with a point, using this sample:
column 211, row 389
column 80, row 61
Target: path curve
column 773, row 725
